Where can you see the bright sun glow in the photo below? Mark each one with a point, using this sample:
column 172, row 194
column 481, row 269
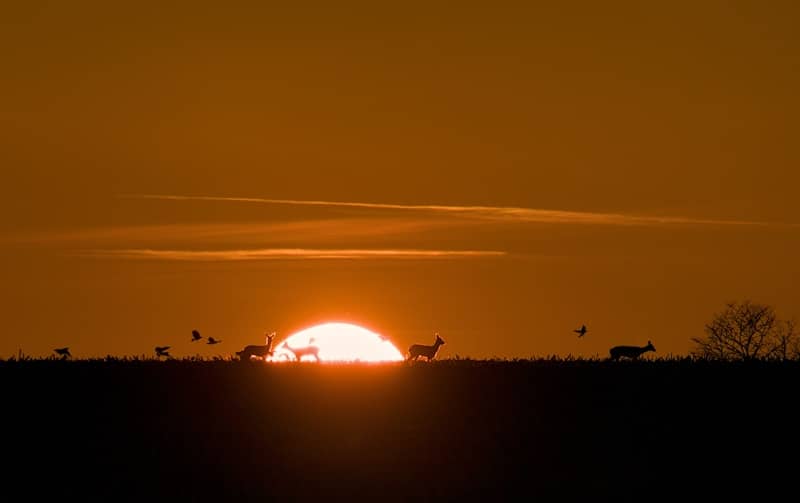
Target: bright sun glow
column 337, row 342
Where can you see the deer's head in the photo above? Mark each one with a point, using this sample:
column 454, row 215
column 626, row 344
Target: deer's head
column 439, row 340
column 650, row 346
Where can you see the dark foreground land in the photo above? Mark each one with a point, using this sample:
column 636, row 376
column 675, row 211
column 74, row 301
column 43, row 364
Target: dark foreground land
column 228, row 431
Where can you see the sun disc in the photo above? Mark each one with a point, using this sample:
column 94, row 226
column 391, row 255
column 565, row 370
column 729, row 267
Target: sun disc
column 337, row 342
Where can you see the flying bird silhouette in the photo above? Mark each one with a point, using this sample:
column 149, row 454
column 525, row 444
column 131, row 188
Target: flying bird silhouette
column 581, row 331
column 163, row 351
column 63, row 352
column 212, row 340
column 196, row 336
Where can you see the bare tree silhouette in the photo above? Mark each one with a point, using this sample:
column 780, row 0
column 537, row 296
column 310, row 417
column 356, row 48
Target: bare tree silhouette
column 748, row 331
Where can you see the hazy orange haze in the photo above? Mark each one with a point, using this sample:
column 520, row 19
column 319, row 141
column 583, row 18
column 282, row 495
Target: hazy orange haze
column 525, row 169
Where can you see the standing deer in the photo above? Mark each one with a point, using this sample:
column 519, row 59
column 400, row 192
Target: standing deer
column 258, row 351
column 417, row 350
column 298, row 353
column 632, row 352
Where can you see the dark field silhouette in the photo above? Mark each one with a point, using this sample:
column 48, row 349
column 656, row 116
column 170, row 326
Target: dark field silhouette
column 481, row 430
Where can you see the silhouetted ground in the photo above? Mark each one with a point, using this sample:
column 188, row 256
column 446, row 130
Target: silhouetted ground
column 229, row 431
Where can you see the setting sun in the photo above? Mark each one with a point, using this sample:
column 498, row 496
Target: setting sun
column 337, row 342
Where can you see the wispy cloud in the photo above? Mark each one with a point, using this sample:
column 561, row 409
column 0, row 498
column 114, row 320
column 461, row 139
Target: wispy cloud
column 288, row 254
column 494, row 213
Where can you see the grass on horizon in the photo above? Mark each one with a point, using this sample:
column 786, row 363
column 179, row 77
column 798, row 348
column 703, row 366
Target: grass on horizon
column 456, row 361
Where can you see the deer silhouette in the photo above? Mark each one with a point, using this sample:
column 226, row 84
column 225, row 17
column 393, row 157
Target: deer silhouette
column 429, row 352
column 299, row 353
column 632, row 352
column 258, row 351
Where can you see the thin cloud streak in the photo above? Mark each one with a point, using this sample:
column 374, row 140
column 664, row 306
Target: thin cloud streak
column 287, row 254
column 494, row 213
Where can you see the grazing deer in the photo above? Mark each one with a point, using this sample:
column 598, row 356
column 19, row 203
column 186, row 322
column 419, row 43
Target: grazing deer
column 298, row 353
column 258, row 351
column 632, row 352
column 417, row 350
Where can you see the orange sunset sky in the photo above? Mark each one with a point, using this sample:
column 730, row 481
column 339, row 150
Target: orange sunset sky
column 524, row 169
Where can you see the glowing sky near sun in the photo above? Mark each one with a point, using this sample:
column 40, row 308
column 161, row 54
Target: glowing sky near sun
column 502, row 174
column 340, row 342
